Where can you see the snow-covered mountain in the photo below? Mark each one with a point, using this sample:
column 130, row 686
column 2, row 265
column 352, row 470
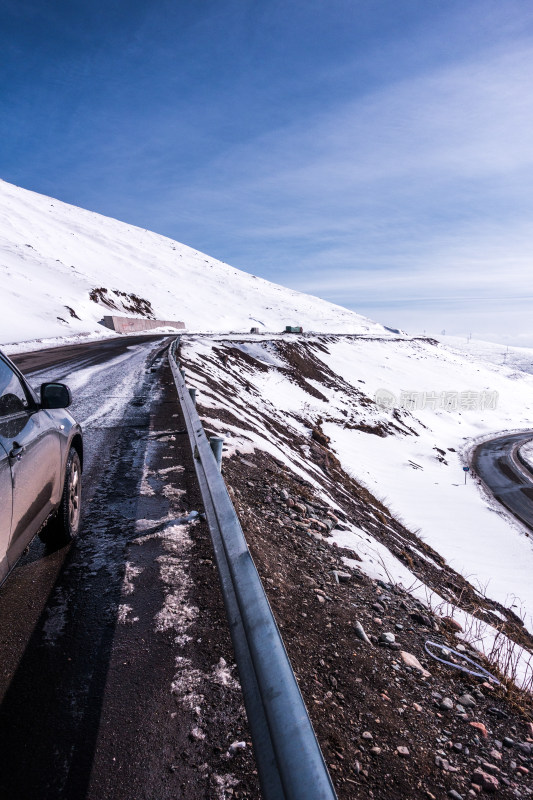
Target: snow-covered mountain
column 56, row 260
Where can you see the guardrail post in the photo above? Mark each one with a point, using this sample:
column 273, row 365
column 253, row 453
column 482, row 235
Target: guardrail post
column 182, row 373
column 192, row 392
column 216, row 443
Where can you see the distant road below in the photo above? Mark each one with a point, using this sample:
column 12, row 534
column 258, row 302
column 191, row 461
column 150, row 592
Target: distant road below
column 497, row 463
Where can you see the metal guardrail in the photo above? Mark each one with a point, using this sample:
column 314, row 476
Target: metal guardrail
column 289, row 761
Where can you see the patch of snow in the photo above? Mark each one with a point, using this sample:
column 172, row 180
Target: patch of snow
column 186, row 685
column 262, row 352
column 31, row 345
column 224, row 785
column 222, row 675
column 167, row 470
column 171, row 492
column 123, row 614
column 176, row 614
column 130, row 573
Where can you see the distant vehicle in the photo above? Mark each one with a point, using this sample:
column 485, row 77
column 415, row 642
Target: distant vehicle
column 41, row 458
column 294, row 329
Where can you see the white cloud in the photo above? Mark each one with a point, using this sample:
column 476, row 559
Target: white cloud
column 418, row 191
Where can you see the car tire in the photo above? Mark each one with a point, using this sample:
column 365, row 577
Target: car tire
column 63, row 527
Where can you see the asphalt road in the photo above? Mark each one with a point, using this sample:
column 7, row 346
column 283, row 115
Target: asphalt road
column 511, row 483
column 92, row 702
column 43, row 601
column 72, row 357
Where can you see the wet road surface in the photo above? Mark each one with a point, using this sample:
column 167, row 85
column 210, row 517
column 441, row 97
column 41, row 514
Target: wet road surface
column 92, row 704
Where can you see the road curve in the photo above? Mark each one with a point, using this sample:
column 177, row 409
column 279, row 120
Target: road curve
column 510, row 481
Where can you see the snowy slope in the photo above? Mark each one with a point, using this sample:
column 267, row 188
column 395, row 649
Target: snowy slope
column 53, row 255
column 273, row 394
column 410, row 458
column 421, row 474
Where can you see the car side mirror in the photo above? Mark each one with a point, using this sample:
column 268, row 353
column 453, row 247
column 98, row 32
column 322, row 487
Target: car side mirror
column 55, row 395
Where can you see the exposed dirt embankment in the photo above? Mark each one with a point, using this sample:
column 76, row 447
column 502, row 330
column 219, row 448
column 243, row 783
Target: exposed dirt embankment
column 366, row 700
column 392, row 722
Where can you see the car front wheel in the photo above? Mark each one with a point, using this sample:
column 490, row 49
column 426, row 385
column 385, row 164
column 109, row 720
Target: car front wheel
column 64, row 525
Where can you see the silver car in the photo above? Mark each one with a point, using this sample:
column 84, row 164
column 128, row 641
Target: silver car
column 41, row 458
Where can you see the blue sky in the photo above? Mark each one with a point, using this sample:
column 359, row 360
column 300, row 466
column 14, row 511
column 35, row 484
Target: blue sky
column 378, row 154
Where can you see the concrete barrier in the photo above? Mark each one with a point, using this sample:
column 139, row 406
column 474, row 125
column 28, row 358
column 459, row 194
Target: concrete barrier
column 132, row 324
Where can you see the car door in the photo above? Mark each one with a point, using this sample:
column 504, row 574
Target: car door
column 31, row 440
column 6, row 502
